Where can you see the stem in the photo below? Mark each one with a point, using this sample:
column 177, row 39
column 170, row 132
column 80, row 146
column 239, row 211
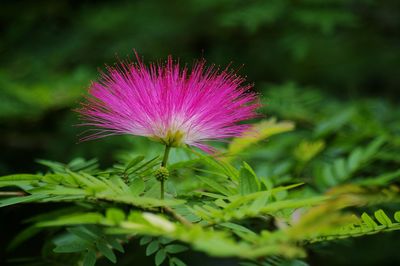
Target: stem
column 162, row 189
column 181, row 219
column 12, row 193
column 164, row 164
column 166, row 153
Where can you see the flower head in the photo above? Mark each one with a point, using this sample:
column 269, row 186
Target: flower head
column 166, row 103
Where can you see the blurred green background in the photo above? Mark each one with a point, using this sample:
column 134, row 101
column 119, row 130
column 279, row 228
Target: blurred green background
column 309, row 59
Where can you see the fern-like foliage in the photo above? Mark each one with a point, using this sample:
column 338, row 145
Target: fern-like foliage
column 342, row 169
column 216, row 218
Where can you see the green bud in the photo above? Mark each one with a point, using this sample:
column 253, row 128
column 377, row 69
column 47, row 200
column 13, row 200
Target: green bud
column 161, row 173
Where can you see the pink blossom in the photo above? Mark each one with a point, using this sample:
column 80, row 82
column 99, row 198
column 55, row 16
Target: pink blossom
column 169, row 104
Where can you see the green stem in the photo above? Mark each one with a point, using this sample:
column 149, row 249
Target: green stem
column 166, row 153
column 164, row 164
column 162, row 189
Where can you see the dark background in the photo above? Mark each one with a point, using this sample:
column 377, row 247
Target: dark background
column 50, row 50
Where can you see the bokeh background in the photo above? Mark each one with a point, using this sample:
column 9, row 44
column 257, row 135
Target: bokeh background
column 298, row 53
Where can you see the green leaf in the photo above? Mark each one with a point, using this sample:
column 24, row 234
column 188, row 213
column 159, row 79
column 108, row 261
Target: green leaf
column 19, row 180
column 16, row 200
column 72, row 246
column 82, row 233
column 374, row 146
column 115, row 215
column 106, row 251
column 137, row 186
column 160, row 257
column 115, row 244
column 164, row 240
column 142, row 166
column 238, row 227
column 145, row 240
column 355, row 159
column 80, row 164
column 369, row 221
column 152, row 247
column 397, row 216
column 340, row 169
column 175, row 248
column 55, row 166
column 174, row 261
column 307, row 150
column 215, row 185
column 134, row 162
column 248, row 182
column 334, row 123
column 380, row 180
column 257, row 133
column 219, row 167
column 24, row 235
column 77, row 218
column 381, row 216
column 90, row 258
column 261, row 201
column 20, row 177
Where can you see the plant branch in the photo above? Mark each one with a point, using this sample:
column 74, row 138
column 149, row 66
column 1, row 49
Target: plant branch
column 12, row 193
column 178, row 217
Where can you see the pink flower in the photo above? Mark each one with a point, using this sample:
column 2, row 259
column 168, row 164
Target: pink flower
column 168, row 104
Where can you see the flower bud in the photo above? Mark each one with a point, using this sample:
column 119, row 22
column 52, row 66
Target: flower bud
column 161, row 173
